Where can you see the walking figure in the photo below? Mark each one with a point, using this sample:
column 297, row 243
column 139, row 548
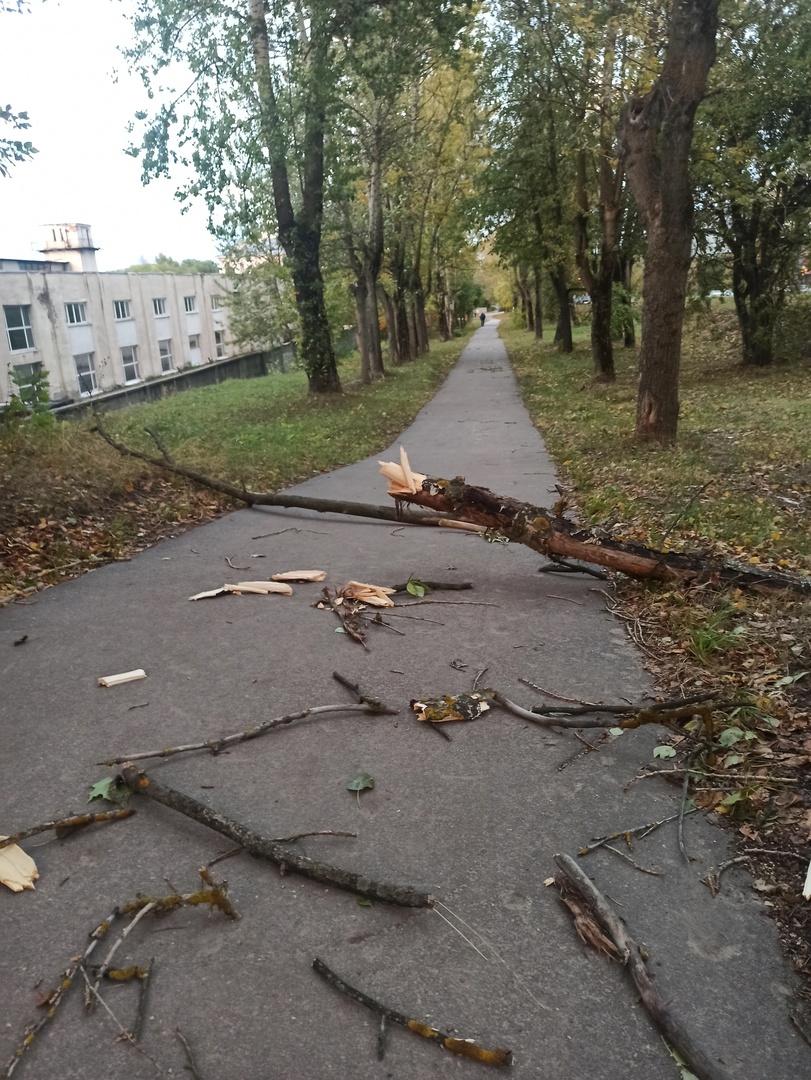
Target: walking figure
column 482, row 316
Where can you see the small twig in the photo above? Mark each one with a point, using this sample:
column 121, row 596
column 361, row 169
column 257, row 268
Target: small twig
column 140, row 705
column 363, row 698
column 683, row 511
column 458, row 585
column 720, row 776
column 628, row 859
column 455, row 603
column 695, row 1059
column 713, row 878
column 140, row 1015
column 65, row 982
column 464, row 1047
column 228, row 560
column 382, row 1033
column 478, row 676
column 378, row 620
column 556, row 596
column 94, row 996
column 643, row 831
column 265, row 848
column 192, row 1064
column 216, row 745
column 685, row 788
column 300, row 836
column 78, row 821
column 559, row 697
column 420, row 618
column 90, row 999
column 800, row 1026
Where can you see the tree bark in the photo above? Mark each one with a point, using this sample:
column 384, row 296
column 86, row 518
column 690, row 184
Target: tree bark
column 656, row 134
column 536, row 289
column 299, row 229
column 563, row 329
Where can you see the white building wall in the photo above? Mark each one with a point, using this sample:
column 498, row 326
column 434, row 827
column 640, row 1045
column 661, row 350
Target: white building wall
column 56, row 343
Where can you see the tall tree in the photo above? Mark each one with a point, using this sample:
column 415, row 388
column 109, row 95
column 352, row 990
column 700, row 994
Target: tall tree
column 656, row 134
column 754, row 174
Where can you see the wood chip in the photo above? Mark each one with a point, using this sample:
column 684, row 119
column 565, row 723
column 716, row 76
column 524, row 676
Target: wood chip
column 260, row 587
column 17, row 869
column 300, row 575
column 125, row 676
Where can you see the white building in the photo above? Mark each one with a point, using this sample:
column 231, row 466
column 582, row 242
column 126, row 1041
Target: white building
column 92, row 332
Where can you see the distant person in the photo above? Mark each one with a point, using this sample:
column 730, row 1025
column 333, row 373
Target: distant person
column 483, row 316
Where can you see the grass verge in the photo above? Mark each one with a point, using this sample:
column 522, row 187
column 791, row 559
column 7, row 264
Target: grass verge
column 69, row 503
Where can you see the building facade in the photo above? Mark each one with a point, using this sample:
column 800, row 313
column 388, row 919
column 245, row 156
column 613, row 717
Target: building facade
column 91, row 332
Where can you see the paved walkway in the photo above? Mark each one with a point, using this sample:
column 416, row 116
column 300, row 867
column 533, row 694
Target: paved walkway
column 477, row 820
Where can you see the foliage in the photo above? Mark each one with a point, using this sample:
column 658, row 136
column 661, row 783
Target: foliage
column 754, row 166
column 14, row 151
column 165, row 264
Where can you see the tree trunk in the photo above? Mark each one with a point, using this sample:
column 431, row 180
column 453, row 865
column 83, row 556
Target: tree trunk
column 563, row 330
column 656, row 134
column 358, row 290
column 372, row 321
column 536, row 289
column 299, row 230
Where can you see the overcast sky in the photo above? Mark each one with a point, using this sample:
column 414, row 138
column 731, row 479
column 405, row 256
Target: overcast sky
column 57, row 64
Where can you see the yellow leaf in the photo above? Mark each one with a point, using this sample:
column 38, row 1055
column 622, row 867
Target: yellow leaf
column 17, row 870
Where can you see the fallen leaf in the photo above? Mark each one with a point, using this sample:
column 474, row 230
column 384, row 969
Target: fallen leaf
column 111, row 789
column 363, row 901
column 664, row 752
column 17, row 869
column 361, row 782
column 300, row 575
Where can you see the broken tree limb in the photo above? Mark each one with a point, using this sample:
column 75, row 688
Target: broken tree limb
column 463, row 1047
column 695, row 1058
column 560, row 717
column 542, row 531
column 265, row 848
column 217, row 745
column 63, row 826
column 266, row 498
column 364, row 699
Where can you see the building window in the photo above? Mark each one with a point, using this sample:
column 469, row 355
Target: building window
column 76, row 313
column 165, row 350
column 121, row 308
column 18, row 327
column 216, row 302
column 86, row 371
column 194, row 341
column 190, row 303
column 159, row 305
column 24, row 379
column 219, row 343
column 129, row 358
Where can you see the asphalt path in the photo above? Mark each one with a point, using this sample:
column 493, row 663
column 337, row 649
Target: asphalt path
column 476, row 821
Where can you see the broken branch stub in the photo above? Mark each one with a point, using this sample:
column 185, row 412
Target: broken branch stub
column 552, row 535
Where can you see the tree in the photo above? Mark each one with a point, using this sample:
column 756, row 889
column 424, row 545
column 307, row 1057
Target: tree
column 656, row 134
column 255, row 124
column 754, row 174
column 165, row 264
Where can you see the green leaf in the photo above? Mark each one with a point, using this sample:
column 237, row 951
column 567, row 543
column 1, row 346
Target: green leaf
column 416, row 587
column 730, row 800
column 111, row 789
column 363, row 901
column 361, row 782
column 339, row 630
column 732, row 759
column 730, row 736
column 664, row 751
column 616, row 731
column 788, row 679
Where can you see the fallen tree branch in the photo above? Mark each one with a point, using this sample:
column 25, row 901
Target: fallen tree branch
column 215, row 895
column 266, row 498
column 553, row 535
column 215, row 746
column 63, row 826
column 695, row 1058
column 463, row 1047
column 713, row 878
column 626, row 834
column 265, row 848
column 578, row 718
